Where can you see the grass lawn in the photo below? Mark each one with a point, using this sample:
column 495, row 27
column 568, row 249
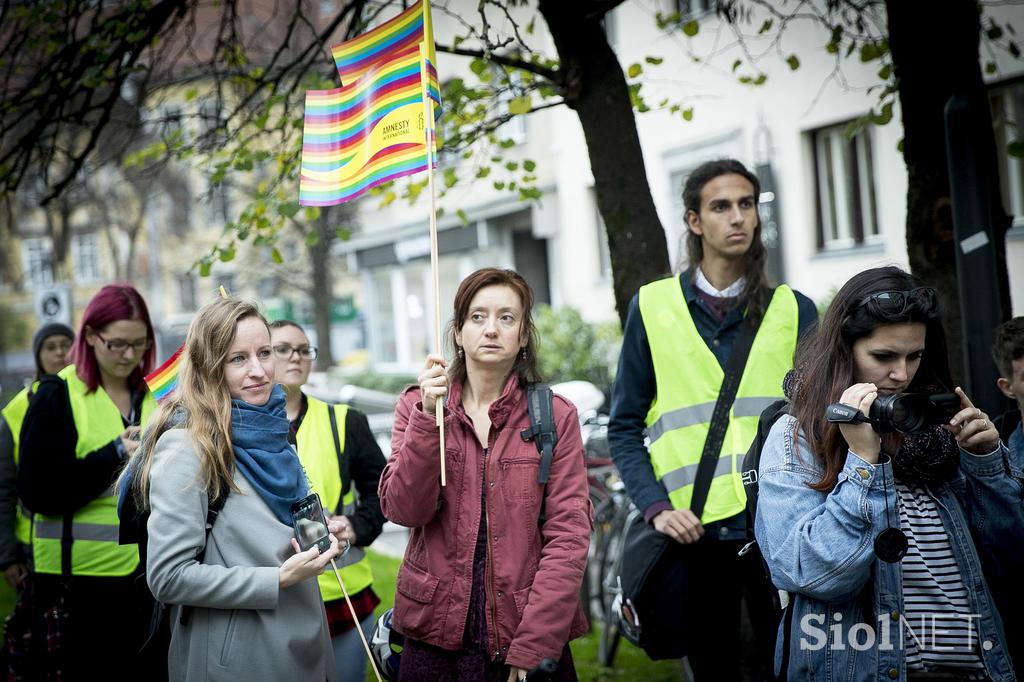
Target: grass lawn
column 630, row 663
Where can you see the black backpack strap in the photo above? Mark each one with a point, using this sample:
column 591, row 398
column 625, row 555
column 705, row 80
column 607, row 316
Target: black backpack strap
column 213, row 510
column 345, row 480
column 720, row 417
column 540, row 405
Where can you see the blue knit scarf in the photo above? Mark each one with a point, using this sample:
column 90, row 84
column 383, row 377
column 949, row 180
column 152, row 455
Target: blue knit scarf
column 259, row 437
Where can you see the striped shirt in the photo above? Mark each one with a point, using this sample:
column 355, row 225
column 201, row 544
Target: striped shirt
column 940, row 632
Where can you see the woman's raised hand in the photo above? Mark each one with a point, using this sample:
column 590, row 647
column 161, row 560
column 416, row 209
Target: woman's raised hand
column 974, row 431
column 303, row 565
column 433, row 382
column 861, row 438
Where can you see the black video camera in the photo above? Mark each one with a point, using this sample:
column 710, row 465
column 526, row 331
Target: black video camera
column 901, row 412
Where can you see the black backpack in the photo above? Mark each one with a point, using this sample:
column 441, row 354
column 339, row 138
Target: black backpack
column 132, row 529
column 540, row 406
column 751, row 465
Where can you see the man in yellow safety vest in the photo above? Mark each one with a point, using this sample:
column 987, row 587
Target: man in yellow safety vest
column 677, row 341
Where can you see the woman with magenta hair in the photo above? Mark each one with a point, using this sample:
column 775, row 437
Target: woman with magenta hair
column 81, row 427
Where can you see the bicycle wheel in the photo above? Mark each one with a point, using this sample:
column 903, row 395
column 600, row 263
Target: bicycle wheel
column 604, row 516
column 608, row 644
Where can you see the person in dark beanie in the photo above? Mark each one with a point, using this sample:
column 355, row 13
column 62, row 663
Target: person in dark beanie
column 50, row 347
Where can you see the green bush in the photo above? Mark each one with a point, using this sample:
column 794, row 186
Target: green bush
column 389, row 383
column 574, row 349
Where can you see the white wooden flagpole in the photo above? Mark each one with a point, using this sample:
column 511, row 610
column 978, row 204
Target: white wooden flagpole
column 428, row 129
column 355, row 619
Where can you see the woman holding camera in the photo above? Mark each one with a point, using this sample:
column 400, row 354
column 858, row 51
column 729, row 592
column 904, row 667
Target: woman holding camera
column 491, row 578
column 81, row 426
column 245, row 599
column 886, row 543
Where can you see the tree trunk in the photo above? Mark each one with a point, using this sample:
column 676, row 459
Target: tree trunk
column 926, row 80
column 320, row 254
column 594, row 86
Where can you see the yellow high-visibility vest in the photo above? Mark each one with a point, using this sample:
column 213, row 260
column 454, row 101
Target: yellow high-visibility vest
column 95, row 551
column 14, row 415
column 688, row 379
column 315, row 445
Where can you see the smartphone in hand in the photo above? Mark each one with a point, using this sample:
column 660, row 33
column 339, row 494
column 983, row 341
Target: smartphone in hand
column 310, row 524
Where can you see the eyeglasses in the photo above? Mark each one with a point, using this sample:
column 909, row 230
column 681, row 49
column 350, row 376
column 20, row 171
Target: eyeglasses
column 120, row 345
column 898, row 302
column 284, row 351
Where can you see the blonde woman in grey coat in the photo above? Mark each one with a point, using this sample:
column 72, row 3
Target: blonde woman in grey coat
column 253, row 603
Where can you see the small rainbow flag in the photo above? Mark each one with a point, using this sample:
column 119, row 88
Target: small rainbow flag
column 164, row 379
column 410, row 28
column 365, row 133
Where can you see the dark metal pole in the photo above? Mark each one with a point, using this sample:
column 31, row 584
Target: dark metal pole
column 980, row 304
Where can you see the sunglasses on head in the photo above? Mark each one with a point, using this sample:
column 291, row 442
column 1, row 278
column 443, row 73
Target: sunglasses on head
column 893, row 303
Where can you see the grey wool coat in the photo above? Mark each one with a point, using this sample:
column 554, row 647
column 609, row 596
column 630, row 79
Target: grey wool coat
column 243, row 626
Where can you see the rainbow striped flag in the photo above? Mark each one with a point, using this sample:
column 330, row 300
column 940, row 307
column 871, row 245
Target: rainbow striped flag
column 164, row 379
column 365, row 133
column 354, row 58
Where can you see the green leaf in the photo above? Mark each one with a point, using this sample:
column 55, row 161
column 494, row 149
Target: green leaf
column 530, row 26
column 343, row 234
column 226, row 254
column 312, row 238
column 462, row 216
column 311, row 213
column 885, row 72
column 520, row 105
column 483, row 171
column 529, row 165
column 760, row 80
column 478, row 66
column 736, row 64
column 634, row 70
column 204, row 268
column 994, row 32
column 884, row 116
column 1016, row 149
column 899, row 146
column 653, row 60
column 691, row 28
column 990, row 68
column 191, row 94
column 499, row 185
column 288, row 209
column 793, row 61
column 512, row 166
column 765, row 27
column 276, row 255
column 688, row 114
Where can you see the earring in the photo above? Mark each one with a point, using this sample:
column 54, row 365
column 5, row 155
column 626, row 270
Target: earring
column 524, row 353
column 458, row 351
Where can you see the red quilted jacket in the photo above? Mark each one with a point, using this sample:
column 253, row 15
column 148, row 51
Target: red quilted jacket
column 533, row 572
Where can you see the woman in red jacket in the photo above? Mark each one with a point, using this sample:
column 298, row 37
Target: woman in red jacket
column 487, row 588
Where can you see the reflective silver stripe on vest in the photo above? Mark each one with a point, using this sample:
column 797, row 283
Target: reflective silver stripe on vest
column 53, row 530
column 701, row 414
column 687, row 475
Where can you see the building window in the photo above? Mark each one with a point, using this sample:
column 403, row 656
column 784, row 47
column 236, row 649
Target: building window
column 1007, row 105
column 604, row 260
column 37, row 261
column 693, row 8
column 227, row 280
column 218, row 204
column 186, row 292
column 845, row 199
column 515, row 128
column 86, row 254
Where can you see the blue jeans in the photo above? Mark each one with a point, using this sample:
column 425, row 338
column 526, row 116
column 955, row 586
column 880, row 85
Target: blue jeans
column 349, row 655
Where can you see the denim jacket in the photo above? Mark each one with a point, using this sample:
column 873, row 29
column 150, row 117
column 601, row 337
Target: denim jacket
column 847, row 605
